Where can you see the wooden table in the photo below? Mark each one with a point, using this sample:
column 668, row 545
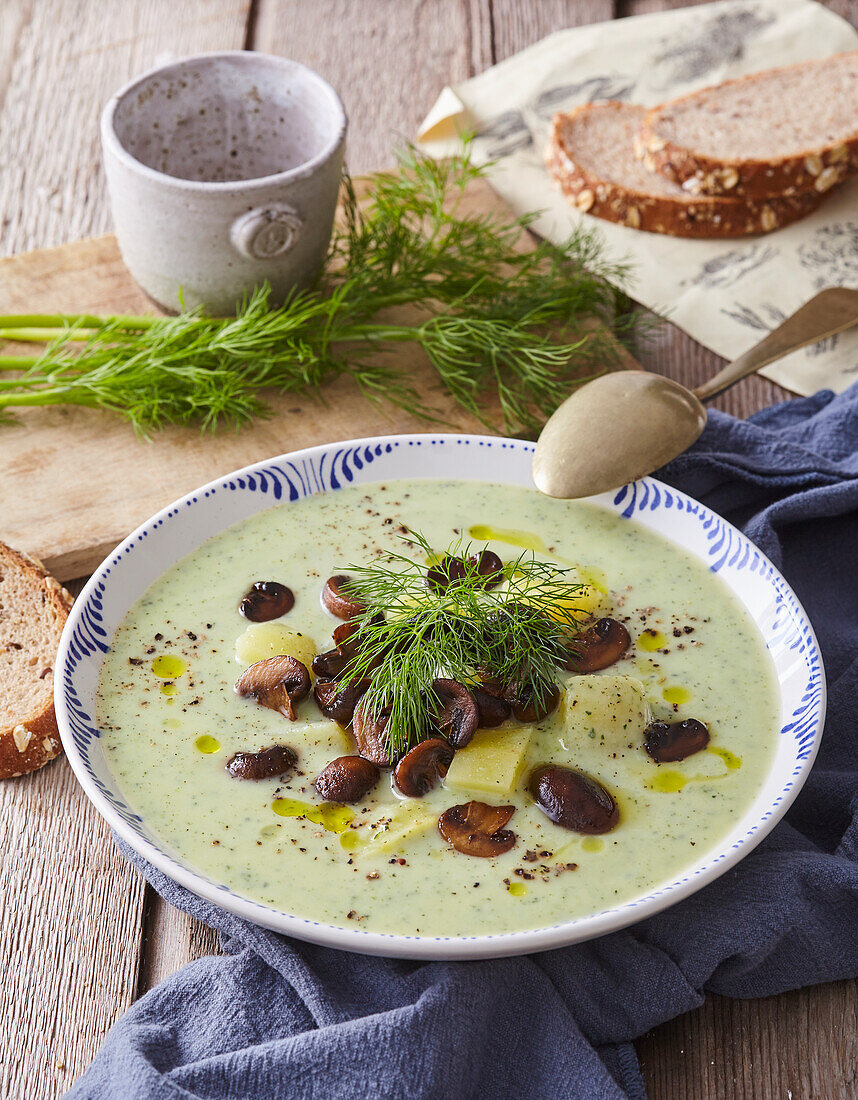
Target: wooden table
column 81, row 935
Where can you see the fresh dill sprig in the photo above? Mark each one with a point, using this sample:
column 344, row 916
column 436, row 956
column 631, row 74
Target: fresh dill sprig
column 412, row 633
column 499, row 323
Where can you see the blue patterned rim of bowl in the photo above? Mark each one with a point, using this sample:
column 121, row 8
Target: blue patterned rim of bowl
column 172, row 533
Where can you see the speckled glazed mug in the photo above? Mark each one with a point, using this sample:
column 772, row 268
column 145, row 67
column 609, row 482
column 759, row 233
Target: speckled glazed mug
column 223, row 171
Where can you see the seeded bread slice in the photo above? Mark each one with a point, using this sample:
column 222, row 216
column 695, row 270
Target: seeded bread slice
column 776, row 133
column 590, row 155
column 33, row 611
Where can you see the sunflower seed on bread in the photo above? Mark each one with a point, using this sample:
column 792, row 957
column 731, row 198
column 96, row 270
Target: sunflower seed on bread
column 778, row 132
column 590, row 155
column 33, row 610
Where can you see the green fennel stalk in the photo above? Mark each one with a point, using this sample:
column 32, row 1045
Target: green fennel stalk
column 497, row 322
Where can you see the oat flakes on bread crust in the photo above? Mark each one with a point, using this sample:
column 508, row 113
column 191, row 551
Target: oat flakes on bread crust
column 590, row 155
column 720, row 140
column 33, row 610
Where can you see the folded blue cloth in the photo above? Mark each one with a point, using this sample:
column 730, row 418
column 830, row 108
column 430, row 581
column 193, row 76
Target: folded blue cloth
column 278, row 1018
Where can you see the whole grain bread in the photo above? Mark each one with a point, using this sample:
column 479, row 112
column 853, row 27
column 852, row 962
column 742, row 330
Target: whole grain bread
column 590, row 154
column 778, row 132
column 33, row 611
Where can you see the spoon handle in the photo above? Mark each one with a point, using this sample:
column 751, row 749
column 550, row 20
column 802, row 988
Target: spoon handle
column 828, row 312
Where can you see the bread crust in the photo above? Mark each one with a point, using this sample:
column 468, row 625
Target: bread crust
column 32, row 740
column 705, row 217
column 815, row 169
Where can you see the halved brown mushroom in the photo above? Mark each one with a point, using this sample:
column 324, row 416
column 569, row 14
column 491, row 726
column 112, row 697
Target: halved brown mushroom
column 573, row 800
column 266, row 600
column 448, row 571
column 349, row 636
column 330, row 665
column 531, row 702
column 458, row 715
column 277, row 682
column 599, row 646
column 419, row 770
column 490, row 683
column 339, row 602
column 347, row 779
column 345, row 636
column 489, row 566
column 368, row 727
column 667, row 742
column 476, row 829
column 338, row 703
column 278, row 760
column 493, row 710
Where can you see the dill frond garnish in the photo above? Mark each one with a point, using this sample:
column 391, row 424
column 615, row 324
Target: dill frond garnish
column 501, row 325
column 412, row 633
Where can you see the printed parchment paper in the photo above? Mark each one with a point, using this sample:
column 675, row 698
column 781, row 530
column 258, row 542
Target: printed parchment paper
column 726, row 294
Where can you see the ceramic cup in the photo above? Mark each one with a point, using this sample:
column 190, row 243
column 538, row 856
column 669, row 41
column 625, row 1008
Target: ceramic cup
column 223, row 171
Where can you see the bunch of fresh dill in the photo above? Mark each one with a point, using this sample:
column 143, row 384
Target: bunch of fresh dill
column 499, row 323
column 413, row 633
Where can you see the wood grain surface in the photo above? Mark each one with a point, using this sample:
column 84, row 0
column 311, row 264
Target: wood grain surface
column 80, row 936
column 72, row 913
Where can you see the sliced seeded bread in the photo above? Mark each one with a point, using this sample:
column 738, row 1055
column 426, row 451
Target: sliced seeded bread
column 776, row 133
column 33, row 611
column 590, row 154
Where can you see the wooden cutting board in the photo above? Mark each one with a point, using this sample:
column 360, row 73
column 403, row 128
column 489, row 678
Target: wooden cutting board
column 76, row 481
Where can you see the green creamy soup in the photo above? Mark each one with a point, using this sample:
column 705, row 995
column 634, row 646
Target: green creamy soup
column 170, row 721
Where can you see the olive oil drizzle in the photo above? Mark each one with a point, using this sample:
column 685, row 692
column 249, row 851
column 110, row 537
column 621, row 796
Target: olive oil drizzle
column 330, row 815
column 524, row 539
column 676, row 694
column 732, row 761
column 669, row 780
column 168, row 666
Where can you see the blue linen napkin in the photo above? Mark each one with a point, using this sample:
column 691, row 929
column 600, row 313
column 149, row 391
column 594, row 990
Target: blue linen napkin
column 276, row 1018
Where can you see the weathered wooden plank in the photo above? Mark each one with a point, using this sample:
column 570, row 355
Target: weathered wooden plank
column 644, row 7
column 800, row 1044
column 848, row 9
column 70, row 921
column 59, row 63
column 69, row 932
column 517, row 25
column 170, row 939
column 388, row 60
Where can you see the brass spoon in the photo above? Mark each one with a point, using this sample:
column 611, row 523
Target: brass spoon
column 623, row 425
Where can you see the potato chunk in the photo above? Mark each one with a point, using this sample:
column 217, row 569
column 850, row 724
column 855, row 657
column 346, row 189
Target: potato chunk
column 612, row 711
column 319, row 736
column 262, row 640
column 407, row 820
column 491, row 762
column 584, row 603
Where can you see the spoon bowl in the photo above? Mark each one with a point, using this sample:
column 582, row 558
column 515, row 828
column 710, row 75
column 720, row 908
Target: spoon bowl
column 614, row 430
column 621, row 426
